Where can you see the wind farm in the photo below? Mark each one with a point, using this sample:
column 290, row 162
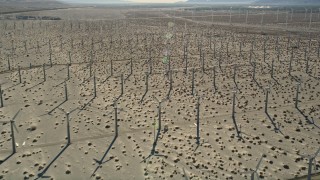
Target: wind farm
column 188, row 90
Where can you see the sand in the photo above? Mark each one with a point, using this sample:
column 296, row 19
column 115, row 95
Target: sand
column 96, row 39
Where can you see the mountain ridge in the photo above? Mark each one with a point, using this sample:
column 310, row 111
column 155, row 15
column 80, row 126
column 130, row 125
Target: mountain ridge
column 287, row 2
column 221, row 1
column 264, row 2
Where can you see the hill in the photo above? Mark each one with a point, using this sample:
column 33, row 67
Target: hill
column 12, row 6
column 221, row 1
column 288, row 2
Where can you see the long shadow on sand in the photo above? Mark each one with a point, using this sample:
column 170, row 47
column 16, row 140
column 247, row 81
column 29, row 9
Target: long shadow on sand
column 276, row 128
column 154, row 145
column 34, row 86
column 57, row 107
column 100, row 162
column 310, row 121
column 106, row 79
column 275, row 80
column 86, row 104
column 13, row 86
column 144, row 95
column 5, row 159
column 236, row 126
column 40, row 175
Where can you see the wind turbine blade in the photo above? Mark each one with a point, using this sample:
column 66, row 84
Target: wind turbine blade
column 316, row 154
column 185, row 175
column 155, row 98
column 164, row 99
column 259, row 163
column 249, row 172
column 257, row 175
column 121, row 109
column 109, row 113
column 62, row 110
column 73, row 110
column 14, row 117
column 252, row 176
column 305, row 156
column 15, row 127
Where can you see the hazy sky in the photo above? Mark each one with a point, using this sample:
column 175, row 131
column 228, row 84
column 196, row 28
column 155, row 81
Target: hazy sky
column 113, row 1
column 155, row 1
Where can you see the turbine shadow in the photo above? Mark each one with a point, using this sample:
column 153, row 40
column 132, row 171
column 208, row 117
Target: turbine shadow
column 57, row 107
column 106, row 79
column 5, row 159
column 276, row 128
column 35, row 85
column 236, row 127
column 259, row 86
column 100, row 162
column 310, row 121
column 153, row 150
column 275, row 80
column 86, row 104
column 144, row 95
column 40, row 175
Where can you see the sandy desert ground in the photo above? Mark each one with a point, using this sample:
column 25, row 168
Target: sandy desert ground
column 159, row 93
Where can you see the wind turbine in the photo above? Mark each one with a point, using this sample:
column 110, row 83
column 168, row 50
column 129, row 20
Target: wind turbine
column 1, row 98
column 12, row 127
column 311, row 158
column 115, row 110
column 247, row 17
column 198, row 116
column 305, row 13
column 230, row 15
column 159, row 109
column 310, row 19
column 254, row 172
column 68, row 123
column 234, row 92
